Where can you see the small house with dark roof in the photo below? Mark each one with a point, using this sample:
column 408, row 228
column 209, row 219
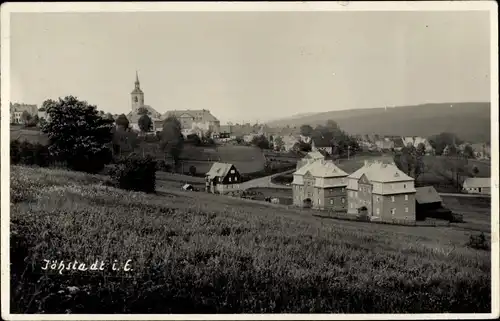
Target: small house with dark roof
column 222, row 178
column 429, row 204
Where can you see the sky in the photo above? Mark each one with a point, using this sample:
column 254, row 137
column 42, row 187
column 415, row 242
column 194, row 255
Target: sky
column 252, row 66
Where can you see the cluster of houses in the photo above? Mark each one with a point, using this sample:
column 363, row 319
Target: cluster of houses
column 379, row 189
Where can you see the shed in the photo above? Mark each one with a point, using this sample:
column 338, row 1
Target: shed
column 188, row 187
column 477, row 185
column 430, row 204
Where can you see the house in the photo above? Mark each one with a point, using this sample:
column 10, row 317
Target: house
column 289, row 141
column 408, row 141
column 384, row 144
column 133, row 118
column 17, row 110
column 477, row 185
column 429, row 204
column 319, row 143
column 421, row 140
column 387, row 193
column 200, row 118
column 481, row 151
column 310, row 157
column 398, row 143
column 320, row 184
column 222, row 178
column 305, row 139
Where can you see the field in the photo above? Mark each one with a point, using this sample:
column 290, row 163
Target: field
column 199, row 253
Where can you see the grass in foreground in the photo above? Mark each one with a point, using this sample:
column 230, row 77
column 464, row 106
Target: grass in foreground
column 199, row 253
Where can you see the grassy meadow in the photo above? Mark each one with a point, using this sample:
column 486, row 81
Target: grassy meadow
column 200, row 253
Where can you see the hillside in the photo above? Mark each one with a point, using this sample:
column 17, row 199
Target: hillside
column 200, row 253
column 471, row 121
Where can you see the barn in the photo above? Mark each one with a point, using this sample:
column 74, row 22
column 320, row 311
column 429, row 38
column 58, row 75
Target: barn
column 429, row 204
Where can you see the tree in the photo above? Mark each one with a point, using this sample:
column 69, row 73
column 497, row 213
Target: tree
column 145, row 123
column 172, row 140
column 192, row 170
column 421, row 149
column 306, row 130
column 279, row 145
column 25, row 117
column 239, row 140
column 440, row 141
column 109, row 116
column 194, row 139
column 261, row 142
column 468, row 152
column 143, row 111
column 122, row 121
column 78, row 136
column 410, row 161
column 302, row 147
column 475, row 170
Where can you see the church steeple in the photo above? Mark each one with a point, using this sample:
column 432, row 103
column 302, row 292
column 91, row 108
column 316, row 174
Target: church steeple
column 137, row 84
column 137, row 95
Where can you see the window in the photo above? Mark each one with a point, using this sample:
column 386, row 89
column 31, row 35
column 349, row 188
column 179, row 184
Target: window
column 232, row 171
column 343, row 189
column 342, row 200
column 319, row 201
column 393, row 211
column 378, row 211
column 236, row 179
column 378, row 198
column 356, row 193
column 392, row 199
column 404, row 185
column 352, row 205
column 229, row 178
column 406, row 209
column 331, row 202
column 406, row 197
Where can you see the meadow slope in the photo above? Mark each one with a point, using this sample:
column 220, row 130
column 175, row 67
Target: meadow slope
column 200, row 253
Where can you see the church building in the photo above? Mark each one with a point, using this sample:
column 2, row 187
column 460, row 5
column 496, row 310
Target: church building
column 137, row 101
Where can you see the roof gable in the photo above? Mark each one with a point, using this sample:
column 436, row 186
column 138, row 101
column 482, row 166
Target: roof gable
column 219, row 169
column 427, row 195
column 364, row 180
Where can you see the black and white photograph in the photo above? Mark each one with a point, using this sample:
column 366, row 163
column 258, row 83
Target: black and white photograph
column 252, row 160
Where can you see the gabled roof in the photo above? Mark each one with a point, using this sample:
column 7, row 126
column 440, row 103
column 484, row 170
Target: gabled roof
column 219, row 170
column 314, row 155
column 133, row 116
column 475, row 182
column 382, row 172
column 203, row 113
column 321, row 168
column 427, row 195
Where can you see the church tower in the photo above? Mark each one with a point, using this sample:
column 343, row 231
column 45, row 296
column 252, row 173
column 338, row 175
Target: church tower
column 137, row 95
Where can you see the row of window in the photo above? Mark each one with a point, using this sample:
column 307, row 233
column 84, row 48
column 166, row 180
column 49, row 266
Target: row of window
column 377, row 199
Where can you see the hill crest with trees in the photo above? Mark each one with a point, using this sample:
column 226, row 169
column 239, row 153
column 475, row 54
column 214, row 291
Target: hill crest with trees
column 470, row 120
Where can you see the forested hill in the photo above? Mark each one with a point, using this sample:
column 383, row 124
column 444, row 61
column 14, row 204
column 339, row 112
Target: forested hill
column 470, row 121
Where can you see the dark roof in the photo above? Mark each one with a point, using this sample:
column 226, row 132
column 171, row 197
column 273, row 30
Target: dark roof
column 427, row 195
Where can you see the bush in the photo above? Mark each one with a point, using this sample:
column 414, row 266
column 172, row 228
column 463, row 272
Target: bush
column 192, row 170
column 135, row 173
column 161, row 165
column 29, row 154
column 478, row 242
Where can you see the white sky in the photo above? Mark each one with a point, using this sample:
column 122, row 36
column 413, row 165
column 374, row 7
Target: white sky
column 248, row 66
